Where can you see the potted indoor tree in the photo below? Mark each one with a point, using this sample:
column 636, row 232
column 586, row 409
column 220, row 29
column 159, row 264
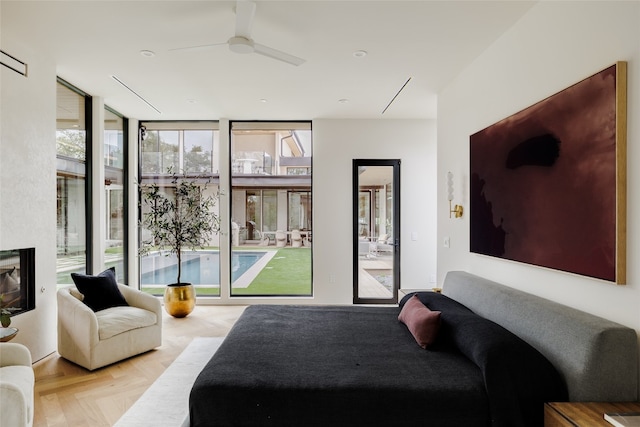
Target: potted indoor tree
column 6, row 312
column 176, row 223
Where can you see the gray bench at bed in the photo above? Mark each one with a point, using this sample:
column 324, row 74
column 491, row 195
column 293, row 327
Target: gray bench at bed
column 598, row 358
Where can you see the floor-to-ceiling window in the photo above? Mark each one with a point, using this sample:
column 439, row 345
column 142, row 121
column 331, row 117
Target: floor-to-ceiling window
column 270, row 197
column 188, row 149
column 74, row 152
column 115, row 148
column 71, row 177
column 271, row 209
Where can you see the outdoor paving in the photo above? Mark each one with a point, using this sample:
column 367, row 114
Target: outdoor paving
column 368, row 286
column 70, row 263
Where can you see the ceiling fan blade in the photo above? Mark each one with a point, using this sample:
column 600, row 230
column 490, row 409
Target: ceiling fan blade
column 245, row 10
column 199, row 47
column 277, row 54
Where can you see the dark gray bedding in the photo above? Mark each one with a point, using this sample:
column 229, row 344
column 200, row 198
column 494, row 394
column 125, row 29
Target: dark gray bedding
column 301, row 365
column 284, row 365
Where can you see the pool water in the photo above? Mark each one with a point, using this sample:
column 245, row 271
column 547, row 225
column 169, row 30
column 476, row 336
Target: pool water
column 200, row 268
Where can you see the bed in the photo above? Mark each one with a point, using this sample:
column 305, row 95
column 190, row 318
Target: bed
column 498, row 356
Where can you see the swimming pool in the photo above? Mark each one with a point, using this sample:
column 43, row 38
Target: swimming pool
column 198, row 268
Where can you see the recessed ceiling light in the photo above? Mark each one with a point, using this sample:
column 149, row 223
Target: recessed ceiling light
column 343, row 101
column 360, row 53
column 191, row 101
column 147, row 53
column 263, row 100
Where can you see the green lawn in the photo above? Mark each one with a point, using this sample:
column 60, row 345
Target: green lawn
column 288, row 273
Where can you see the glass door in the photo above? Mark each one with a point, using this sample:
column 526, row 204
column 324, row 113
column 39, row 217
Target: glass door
column 376, row 231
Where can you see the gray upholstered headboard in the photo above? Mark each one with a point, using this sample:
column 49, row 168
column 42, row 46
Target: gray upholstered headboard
column 598, row 358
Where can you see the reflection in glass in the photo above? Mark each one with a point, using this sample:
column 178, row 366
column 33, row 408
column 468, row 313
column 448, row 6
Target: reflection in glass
column 71, row 148
column 190, row 148
column 198, row 147
column 114, row 188
column 160, row 151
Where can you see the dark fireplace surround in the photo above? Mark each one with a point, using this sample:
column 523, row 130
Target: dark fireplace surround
column 18, row 279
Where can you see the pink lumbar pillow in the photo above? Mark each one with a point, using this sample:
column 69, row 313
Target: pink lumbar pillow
column 422, row 322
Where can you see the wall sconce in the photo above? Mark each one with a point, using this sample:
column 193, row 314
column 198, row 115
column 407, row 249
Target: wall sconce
column 457, row 209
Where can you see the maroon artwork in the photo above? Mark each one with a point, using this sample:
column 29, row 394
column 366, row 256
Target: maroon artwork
column 543, row 182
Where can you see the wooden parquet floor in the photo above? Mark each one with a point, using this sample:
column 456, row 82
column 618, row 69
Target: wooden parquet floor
column 67, row 395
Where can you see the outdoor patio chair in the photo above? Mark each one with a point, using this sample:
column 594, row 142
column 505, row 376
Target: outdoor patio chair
column 281, row 239
column 296, row 239
column 366, row 248
column 384, row 243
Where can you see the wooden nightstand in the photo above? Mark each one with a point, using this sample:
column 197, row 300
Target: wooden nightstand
column 587, row 414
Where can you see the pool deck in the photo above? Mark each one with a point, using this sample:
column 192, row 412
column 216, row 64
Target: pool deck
column 368, row 286
column 247, row 277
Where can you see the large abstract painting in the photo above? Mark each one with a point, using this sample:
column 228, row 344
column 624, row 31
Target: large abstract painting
column 548, row 184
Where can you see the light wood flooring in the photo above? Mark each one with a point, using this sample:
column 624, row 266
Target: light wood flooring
column 68, row 395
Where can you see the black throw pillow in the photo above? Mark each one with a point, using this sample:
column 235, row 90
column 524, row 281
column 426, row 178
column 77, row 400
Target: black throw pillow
column 101, row 291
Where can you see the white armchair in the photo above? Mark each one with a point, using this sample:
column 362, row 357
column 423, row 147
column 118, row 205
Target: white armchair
column 96, row 339
column 16, row 386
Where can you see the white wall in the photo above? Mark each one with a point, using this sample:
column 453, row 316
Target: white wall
column 335, row 144
column 555, row 45
column 28, row 185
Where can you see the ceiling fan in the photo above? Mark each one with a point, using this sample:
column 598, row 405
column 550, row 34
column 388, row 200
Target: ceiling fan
column 242, row 42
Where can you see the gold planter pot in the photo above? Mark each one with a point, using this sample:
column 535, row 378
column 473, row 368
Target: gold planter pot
column 179, row 300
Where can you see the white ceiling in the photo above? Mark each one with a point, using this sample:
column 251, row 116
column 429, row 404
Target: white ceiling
column 427, row 41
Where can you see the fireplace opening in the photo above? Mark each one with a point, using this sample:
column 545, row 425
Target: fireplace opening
column 17, row 280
